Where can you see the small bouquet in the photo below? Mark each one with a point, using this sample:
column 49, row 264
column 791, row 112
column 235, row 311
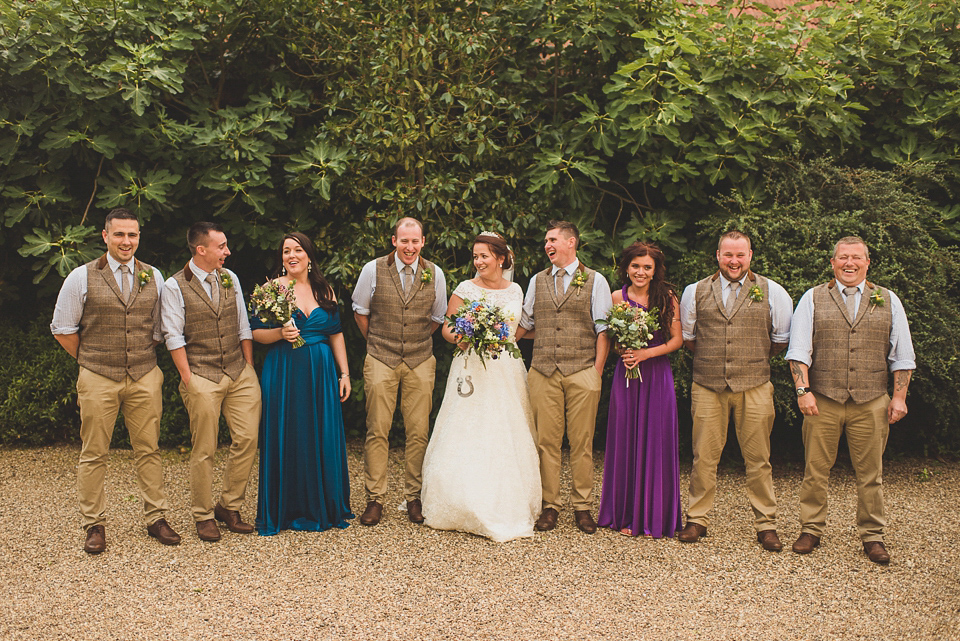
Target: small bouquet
column 273, row 302
column 633, row 328
column 485, row 328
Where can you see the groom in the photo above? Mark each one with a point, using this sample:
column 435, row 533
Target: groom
column 569, row 350
column 398, row 303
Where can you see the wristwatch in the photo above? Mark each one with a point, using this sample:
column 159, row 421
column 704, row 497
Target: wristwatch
column 803, row 390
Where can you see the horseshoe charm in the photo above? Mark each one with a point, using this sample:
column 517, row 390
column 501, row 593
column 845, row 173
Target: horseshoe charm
column 460, row 382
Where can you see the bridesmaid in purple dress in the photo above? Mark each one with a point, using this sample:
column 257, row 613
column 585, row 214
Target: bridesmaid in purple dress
column 641, row 478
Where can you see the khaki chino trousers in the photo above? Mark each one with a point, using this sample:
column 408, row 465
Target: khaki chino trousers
column 382, row 384
column 565, row 403
column 239, row 402
column 753, row 416
column 867, row 430
column 101, row 399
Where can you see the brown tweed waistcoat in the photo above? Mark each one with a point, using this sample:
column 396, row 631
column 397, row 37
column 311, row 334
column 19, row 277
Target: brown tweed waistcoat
column 400, row 329
column 850, row 356
column 116, row 339
column 212, row 335
column 565, row 337
column 732, row 352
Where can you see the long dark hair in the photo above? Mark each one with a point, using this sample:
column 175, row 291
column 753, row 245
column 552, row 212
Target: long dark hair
column 662, row 294
column 321, row 288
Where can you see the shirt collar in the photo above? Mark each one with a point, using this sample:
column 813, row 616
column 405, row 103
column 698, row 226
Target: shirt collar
column 399, row 264
column 727, row 283
column 863, row 283
column 115, row 264
column 199, row 273
column 570, row 269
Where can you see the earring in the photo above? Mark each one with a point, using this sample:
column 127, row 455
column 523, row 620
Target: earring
column 309, row 267
column 283, row 271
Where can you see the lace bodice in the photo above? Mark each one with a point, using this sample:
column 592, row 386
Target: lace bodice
column 510, row 300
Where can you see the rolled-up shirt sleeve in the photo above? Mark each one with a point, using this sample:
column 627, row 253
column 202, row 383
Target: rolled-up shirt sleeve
column 688, row 312
column 439, row 311
column 901, row 354
column 158, row 315
column 70, row 302
column 781, row 312
column 601, row 301
column 526, row 318
column 172, row 317
column 243, row 321
column 801, row 331
column 363, row 292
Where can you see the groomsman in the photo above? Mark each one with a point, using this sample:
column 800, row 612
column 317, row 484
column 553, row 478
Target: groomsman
column 399, row 301
column 846, row 334
column 733, row 322
column 108, row 318
column 208, row 334
column 569, row 350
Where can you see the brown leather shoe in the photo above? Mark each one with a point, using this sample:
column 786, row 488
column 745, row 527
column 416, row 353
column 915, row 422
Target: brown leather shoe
column 806, row 543
column 547, row 520
column 692, row 533
column 231, row 518
column 208, row 531
column 415, row 511
column 96, row 540
column 769, row 540
column 876, row 552
column 371, row 515
column 584, row 521
column 161, row 531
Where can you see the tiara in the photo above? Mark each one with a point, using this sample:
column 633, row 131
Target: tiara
column 490, row 233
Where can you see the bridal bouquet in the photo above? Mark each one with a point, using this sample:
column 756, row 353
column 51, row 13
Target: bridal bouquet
column 485, row 329
column 272, row 302
column 632, row 327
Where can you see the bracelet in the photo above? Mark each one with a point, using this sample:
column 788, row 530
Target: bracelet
column 343, row 376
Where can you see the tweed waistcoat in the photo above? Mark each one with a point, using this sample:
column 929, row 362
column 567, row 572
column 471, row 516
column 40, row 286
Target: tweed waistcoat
column 732, row 351
column 565, row 337
column 850, row 357
column 400, row 329
column 212, row 335
column 116, row 338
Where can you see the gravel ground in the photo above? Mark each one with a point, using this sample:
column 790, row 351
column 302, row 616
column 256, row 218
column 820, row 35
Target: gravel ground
column 401, row 581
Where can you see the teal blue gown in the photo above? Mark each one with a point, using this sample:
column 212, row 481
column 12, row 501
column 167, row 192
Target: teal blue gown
column 304, row 481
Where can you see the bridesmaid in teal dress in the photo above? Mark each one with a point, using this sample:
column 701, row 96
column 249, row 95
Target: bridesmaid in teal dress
column 304, row 483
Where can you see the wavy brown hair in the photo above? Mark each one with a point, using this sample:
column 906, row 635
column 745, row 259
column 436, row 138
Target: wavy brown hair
column 662, row 294
column 321, row 288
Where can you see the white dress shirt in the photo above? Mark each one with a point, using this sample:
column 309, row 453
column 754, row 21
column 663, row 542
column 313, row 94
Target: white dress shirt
column 367, row 285
column 781, row 309
column 173, row 314
column 600, row 298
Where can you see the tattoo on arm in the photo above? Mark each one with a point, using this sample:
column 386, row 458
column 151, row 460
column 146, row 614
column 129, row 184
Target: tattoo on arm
column 901, row 379
column 797, row 372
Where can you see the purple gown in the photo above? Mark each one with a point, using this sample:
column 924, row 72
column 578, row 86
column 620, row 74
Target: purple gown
column 641, row 476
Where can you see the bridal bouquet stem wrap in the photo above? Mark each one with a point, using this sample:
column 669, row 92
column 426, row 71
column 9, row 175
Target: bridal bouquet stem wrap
column 632, row 328
column 272, row 302
column 485, row 328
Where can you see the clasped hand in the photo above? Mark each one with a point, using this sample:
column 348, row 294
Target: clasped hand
column 633, row 357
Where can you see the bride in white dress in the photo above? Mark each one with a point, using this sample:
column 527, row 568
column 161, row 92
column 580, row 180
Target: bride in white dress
column 481, row 472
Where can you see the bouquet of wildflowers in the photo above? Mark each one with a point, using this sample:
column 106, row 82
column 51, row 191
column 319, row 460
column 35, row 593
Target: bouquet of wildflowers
column 273, row 302
column 485, row 329
column 633, row 328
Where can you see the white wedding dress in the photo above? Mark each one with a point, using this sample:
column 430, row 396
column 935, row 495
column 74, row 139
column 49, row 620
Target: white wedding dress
column 481, row 472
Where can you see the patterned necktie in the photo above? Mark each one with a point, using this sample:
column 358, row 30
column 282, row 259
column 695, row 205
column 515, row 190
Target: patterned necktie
column 407, row 280
column 124, row 283
column 851, row 294
column 732, row 297
column 214, row 290
column 558, row 282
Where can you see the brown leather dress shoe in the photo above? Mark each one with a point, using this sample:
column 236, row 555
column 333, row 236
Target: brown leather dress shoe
column 415, row 511
column 231, row 518
column 161, row 531
column 96, row 540
column 371, row 515
column 208, row 531
column 547, row 520
column 806, row 543
column 876, row 552
column 692, row 533
column 769, row 540
column 584, row 521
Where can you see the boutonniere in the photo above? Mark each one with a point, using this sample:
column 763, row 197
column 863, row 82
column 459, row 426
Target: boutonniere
column 143, row 277
column 755, row 294
column 579, row 280
column 426, row 277
column 225, row 280
column 876, row 299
